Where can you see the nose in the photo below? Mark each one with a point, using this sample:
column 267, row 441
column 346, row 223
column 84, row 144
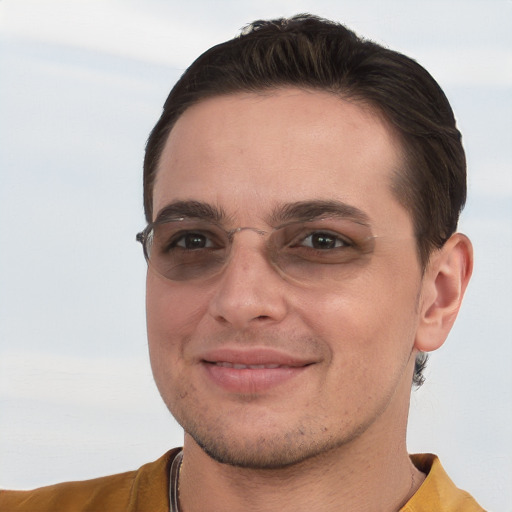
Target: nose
column 250, row 291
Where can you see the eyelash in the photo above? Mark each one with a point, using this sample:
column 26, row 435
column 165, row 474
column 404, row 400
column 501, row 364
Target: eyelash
column 337, row 238
column 174, row 242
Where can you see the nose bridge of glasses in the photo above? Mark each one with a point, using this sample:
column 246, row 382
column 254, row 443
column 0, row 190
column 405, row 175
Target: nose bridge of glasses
column 245, row 242
column 231, row 233
column 247, row 251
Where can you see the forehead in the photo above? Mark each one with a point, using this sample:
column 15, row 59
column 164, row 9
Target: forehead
column 252, row 151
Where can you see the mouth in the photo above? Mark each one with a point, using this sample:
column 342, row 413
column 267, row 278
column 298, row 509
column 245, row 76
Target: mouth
column 239, row 366
column 253, row 372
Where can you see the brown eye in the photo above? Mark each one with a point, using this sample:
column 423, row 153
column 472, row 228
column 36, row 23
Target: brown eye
column 324, row 241
column 193, row 241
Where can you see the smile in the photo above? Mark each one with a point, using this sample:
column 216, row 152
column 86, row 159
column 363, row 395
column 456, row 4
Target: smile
column 238, row 366
column 252, row 371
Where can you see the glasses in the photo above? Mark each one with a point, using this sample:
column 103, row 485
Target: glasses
column 183, row 249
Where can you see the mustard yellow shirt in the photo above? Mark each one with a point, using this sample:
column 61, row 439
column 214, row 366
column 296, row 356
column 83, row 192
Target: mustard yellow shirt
column 147, row 490
column 438, row 493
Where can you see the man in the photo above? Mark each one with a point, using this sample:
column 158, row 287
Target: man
column 302, row 190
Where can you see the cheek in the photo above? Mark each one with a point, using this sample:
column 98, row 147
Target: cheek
column 172, row 314
column 370, row 319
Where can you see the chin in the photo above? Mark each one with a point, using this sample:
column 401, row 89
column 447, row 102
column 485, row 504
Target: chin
column 262, row 455
column 276, row 449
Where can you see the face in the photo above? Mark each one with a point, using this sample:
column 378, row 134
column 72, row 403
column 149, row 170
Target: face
column 265, row 366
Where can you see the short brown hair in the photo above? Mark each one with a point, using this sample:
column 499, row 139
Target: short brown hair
column 309, row 52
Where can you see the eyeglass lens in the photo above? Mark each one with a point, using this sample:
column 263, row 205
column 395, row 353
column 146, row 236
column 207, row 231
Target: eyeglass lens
column 319, row 250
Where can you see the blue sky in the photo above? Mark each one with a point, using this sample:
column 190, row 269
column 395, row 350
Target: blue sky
column 81, row 84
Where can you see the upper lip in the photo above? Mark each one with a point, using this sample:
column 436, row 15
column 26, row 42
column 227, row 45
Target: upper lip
column 268, row 357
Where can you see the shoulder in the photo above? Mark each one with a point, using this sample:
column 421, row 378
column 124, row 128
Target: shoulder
column 438, row 492
column 147, row 487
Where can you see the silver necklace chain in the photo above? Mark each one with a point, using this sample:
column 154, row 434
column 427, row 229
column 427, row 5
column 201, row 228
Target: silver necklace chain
column 174, row 479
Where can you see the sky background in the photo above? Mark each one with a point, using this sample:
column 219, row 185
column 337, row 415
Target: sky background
column 81, row 85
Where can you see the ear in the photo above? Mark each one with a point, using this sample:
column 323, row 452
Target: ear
column 444, row 283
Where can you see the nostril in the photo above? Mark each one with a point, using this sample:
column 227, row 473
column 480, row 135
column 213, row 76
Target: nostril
column 221, row 319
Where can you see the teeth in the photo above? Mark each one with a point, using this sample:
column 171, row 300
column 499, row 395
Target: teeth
column 238, row 366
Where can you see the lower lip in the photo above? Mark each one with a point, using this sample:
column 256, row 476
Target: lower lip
column 249, row 380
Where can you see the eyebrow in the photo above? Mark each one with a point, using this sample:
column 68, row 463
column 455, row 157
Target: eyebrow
column 317, row 209
column 192, row 210
column 298, row 211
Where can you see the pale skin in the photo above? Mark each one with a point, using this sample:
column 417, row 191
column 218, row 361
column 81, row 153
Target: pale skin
column 332, row 435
